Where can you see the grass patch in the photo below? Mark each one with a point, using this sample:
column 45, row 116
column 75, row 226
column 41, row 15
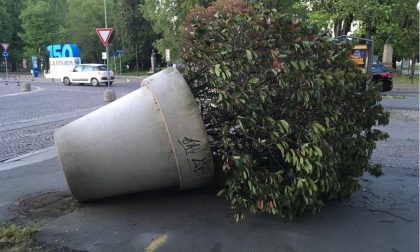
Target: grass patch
column 141, row 72
column 405, row 79
column 134, row 73
column 15, row 238
column 399, row 78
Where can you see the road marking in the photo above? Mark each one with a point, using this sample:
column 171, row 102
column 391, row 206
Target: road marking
column 22, row 93
column 159, row 240
column 4, row 203
column 74, row 90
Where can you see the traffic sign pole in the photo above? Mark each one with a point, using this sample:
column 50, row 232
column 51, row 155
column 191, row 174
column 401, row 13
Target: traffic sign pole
column 107, row 65
column 5, row 55
column 104, row 35
column 7, row 72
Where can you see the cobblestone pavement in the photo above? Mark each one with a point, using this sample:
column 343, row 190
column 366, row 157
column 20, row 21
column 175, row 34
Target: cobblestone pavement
column 400, row 153
column 28, row 119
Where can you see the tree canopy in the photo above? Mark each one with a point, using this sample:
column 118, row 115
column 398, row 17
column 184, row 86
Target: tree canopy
column 30, row 25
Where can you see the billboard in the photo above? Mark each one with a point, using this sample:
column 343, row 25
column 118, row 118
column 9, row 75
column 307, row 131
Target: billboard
column 359, row 54
column 63, row 58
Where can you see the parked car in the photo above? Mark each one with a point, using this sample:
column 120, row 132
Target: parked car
column 383, row 75
column 88, row 73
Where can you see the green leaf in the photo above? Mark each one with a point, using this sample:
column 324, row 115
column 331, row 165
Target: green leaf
column 285, row 125
column 221, row 192
column 254, row 80
column 249, row 55
column 217, row 70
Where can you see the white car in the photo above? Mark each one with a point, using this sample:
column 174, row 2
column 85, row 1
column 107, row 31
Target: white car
column 88, row 73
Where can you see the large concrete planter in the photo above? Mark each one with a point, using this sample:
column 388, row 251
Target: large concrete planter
column 149, row 139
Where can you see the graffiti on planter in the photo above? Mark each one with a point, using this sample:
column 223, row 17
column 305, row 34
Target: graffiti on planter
column 197, row 164
column 189, row 145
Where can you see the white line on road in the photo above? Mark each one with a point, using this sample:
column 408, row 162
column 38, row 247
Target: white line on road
column 22, row 93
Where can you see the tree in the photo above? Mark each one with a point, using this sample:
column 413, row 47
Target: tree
column 281, row 6
column 40, row 24
column 378, row 19
column 166, row 17
column 134, row 33
column 11, row 26
column 83, row 17
column 402, row 27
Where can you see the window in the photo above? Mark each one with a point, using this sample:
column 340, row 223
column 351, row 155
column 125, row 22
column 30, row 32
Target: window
column 78, row 68
column 88, row 68
column 100, row 68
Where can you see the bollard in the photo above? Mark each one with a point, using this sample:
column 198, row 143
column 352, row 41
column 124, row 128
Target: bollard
column 109, row 95
column 25, row 87
column 152, row 138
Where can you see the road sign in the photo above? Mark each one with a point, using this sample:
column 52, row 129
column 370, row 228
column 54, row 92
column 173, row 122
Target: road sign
column 119, row 51
column 5, row 46
column 167, row 55
column 5, row 54
column 104, row 34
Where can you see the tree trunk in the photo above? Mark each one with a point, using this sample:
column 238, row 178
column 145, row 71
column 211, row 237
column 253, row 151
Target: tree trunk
column 337, row 27
column 369, row 28
column 413, row 67
column 347, row 24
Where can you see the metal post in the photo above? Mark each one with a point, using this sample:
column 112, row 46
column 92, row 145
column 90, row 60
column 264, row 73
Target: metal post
column 370, row 58
column 107, row 50
column 107, row 66
column 7, row 76
column 106, row 25
column 115, row 65
column 137, row 61
column 120, row 62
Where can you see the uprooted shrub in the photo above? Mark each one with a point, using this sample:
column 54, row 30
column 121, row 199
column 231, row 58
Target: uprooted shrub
column 288, row 115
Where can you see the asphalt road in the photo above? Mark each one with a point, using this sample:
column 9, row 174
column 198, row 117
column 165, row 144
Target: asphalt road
column 402, row 96
column 28, row 119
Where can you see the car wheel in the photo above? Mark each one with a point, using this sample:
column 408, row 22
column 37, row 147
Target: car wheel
column 66, row 81
column 94, row 82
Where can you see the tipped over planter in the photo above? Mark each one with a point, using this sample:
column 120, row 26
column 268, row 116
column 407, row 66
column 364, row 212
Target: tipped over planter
column 152, row 138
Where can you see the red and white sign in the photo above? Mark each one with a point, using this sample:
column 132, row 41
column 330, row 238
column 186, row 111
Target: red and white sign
column 5, row 46
column 104, row 34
